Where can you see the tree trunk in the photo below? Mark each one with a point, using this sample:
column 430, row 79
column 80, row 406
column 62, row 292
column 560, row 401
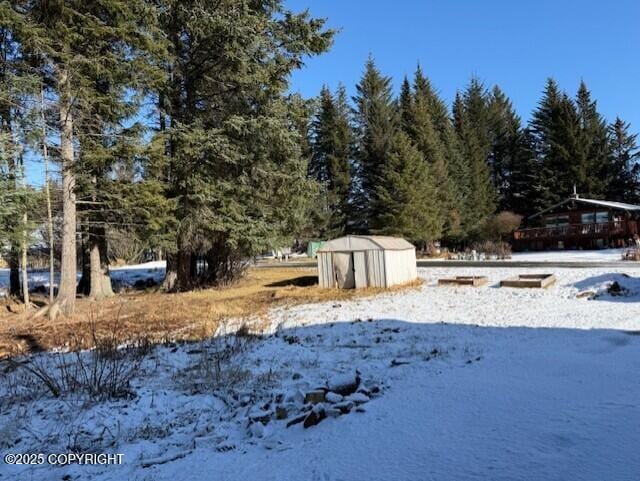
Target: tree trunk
column 45, row 155
column 184, row 280
column 171, row 273
column 84, row 286
column 100, row 280
column 24, row 241
column 10, row 151
column 23, row 263
column 14, row 272
column 66, row 299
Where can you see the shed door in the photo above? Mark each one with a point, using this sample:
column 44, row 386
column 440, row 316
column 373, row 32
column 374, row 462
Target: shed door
column 343, row 270
column 360, row 269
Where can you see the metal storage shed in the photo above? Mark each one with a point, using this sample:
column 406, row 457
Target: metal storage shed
column 366, row 261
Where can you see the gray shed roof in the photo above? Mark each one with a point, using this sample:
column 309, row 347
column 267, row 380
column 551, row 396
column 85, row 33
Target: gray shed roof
column 365, row 243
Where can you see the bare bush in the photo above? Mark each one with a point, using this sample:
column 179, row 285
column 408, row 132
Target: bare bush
column 433, row 249
column 125, row 247
column 493, row 249
column 219, row 363
column 501, row 225
column 103, row 372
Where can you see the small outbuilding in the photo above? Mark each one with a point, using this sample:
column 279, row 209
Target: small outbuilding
column 312, row 248
column 357, row 261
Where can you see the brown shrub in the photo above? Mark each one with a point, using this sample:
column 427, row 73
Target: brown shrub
column 501, row 225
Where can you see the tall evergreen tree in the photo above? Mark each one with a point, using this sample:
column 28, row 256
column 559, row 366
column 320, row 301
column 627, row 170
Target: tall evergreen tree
column 471, row 117
column 74, row 45
column 623, row 179
column 125, row 63
column 419, row 125
column 522, row 185
column 593, row 145
column 405, row 193
column 376, row 122
column 331, row 159
column 18, row 83
column 234, row 161
column 9, row 99
column 406, row 106
column 571, row 145
column 545, row 126
column 507, row 147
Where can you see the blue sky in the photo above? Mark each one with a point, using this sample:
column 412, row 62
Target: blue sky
column 515, row 44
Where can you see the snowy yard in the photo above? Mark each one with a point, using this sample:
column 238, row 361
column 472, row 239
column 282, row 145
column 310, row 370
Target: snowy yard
column 457, row 383
column 120, row 276
column 601, row 255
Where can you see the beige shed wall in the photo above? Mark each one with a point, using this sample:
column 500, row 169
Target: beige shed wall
column 373, row 268
column 400, row 267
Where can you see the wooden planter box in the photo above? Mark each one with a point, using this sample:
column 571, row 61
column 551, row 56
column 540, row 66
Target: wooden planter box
column 474, row 281
column 529, row 281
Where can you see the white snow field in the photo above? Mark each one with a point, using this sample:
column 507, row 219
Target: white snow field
column 600, row 255
column 121, row 276
column 463, row 384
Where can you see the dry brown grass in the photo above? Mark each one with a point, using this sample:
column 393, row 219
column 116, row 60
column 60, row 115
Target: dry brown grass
column 163, row 317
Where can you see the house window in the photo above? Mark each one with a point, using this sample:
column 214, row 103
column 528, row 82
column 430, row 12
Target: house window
column 557, row 220
column 588, row 218
column 602, row 217
column 599, row 217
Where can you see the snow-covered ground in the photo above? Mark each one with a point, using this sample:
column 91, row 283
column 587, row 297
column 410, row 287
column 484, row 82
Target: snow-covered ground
column 601, row 255
column 121, row 276
column 154, row 271
column 463, row 384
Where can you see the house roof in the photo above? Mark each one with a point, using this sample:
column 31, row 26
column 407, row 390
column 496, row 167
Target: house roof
column 596, row 202
column 365, row 243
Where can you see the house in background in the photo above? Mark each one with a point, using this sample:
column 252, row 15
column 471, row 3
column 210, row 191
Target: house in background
column 578, row 223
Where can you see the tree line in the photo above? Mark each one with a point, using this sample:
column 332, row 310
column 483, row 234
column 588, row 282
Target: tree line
column 171, row 128
column 409, row 165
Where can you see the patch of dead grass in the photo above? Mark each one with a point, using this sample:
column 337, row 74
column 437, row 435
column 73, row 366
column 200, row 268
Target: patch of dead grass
column 164, row 317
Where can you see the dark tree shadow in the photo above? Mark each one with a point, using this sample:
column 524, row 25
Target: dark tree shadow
column 302, row 281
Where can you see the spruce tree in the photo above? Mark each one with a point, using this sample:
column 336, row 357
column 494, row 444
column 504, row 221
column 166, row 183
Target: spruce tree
column 75, row 47
column 522, row 185
column 507, row 147
column 571, row 145
column 331, row 159
column 9, row 98
column 376, row 122
column 18, row 83
column 234, row 162
column 471, row 117
column 545, row 128
column 406, row 106
column 404, row 195
column 321, row 130
column 124, row 63
column 421, row 130
column 623, row 179
column 593, row 145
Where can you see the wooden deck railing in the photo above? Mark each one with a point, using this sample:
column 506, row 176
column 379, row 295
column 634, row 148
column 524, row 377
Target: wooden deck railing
column 604, row 229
